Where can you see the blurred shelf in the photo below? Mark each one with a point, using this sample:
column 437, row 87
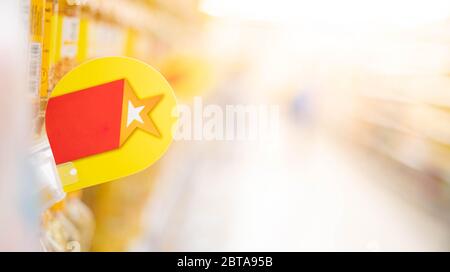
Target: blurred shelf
column 420, row 151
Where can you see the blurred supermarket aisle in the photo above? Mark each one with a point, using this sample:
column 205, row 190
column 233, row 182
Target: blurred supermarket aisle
column 361, row 158
column 331, row 181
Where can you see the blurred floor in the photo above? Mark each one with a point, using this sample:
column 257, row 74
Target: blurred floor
column 316, row 195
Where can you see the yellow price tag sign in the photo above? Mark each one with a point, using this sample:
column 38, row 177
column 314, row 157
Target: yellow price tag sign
column 107, row 119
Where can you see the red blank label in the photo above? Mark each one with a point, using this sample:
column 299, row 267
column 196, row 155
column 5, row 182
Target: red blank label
column 85, row 122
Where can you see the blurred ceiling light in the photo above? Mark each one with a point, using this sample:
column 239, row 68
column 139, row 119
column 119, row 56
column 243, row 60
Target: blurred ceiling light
column 343, row 13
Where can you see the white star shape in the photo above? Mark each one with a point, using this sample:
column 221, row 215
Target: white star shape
column 134, row 113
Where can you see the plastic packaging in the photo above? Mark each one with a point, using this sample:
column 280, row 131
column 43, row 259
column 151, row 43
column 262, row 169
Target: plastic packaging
column 49, row 185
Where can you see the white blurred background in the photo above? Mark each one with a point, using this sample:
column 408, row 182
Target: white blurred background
column 362, row 158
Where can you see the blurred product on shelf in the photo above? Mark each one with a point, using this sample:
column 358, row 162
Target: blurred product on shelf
column 189, row 75
column 67, row 226
column 67, row 39
column 36, row 42
column 47, row 59
column 118, row 207
column 82, row 218
column 59, row 234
